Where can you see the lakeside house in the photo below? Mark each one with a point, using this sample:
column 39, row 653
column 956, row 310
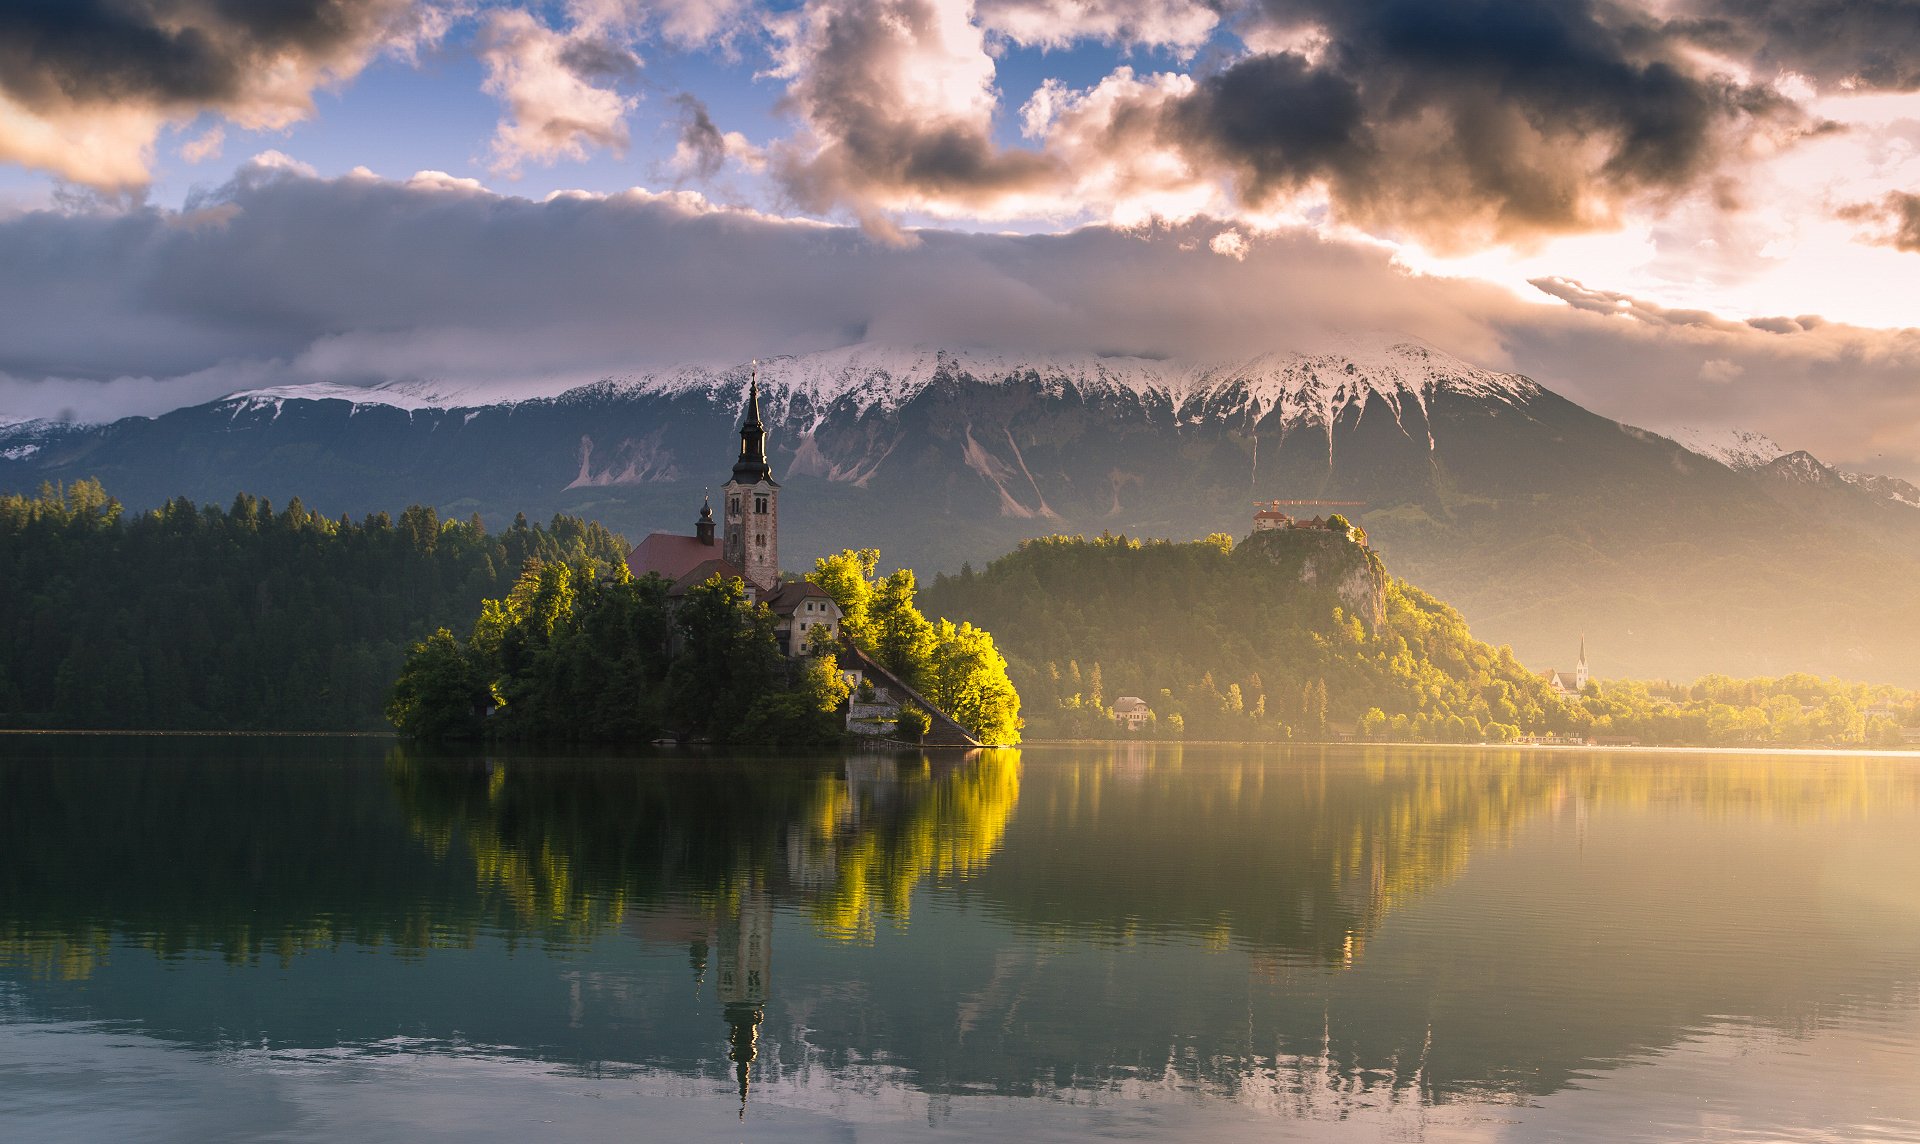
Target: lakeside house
column 1132, row 712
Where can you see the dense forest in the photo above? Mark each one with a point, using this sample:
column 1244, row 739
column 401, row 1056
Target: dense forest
column 244, row 618
column 579, row 654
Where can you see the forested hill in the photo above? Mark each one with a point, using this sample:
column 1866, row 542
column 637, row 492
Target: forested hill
column 1281, row 636
column 200, row 618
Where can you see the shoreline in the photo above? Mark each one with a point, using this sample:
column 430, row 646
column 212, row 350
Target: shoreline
column 1616, row 748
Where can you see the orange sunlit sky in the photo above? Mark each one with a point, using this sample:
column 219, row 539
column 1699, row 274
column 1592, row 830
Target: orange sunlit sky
column 1677, row 212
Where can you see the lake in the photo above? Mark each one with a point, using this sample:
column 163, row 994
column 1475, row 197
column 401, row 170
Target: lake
column 312, row 939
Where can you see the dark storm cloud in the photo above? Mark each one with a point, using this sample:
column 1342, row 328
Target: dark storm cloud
column 1474, row 120
column 168, row 52
column 1871, row 43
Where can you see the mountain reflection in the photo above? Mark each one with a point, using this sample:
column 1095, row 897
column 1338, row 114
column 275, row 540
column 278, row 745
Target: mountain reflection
column 1303, row 931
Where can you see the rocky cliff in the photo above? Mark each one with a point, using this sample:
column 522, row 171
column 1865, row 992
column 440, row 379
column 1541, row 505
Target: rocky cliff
column 1330, row 561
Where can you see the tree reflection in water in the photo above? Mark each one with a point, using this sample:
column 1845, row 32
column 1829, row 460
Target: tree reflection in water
column 1078, row 920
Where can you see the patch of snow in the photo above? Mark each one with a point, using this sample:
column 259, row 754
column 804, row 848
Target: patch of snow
column 1737, row 449
column 19, row 452
column 1887, row 488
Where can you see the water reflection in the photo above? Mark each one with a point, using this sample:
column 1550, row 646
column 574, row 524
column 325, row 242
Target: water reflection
column 1310, row 935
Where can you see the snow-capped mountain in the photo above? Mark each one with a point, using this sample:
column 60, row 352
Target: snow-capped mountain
column 1737, row 449
column 1538, row 518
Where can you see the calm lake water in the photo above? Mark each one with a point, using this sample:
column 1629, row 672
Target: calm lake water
column 265, row 939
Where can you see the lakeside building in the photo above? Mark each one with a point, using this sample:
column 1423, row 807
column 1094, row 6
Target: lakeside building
column 1132, row 712
column 747, row 550
column 1567, row 684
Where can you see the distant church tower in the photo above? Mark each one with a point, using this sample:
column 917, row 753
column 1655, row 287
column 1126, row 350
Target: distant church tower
column 1580, row 669
column 753, row 502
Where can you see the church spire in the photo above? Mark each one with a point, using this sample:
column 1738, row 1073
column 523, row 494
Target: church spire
column 752, row 465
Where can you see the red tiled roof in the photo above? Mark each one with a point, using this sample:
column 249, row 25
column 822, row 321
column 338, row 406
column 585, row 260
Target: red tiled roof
column 706, row 570
column 670, row 555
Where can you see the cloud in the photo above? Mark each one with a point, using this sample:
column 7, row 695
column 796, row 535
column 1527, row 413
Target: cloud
column 1616, row 304
column 205, row 145
column 1462, row 124
column 1870, row 44
column 1898, row 215
column 282, row 277
column 87, row 85
column 1456, row 125
column 896, row 99
column 700, row 23
column 557, row 88
column 1719, row 370
column 1183, row 25
column 703, row 149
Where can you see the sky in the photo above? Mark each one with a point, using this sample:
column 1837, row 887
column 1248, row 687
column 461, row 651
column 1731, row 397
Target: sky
column 1677, row 212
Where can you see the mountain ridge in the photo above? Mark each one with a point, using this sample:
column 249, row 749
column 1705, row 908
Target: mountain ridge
column 1536, row 517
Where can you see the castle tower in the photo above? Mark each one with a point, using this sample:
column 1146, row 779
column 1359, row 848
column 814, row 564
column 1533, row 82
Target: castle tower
column 753, row 502
column 1580, row 669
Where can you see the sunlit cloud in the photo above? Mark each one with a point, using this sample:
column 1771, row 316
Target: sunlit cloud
column 86, row 88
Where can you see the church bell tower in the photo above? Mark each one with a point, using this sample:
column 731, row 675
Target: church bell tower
column 753, row 502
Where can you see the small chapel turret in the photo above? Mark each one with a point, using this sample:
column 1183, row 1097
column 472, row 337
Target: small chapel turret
column 753, row 501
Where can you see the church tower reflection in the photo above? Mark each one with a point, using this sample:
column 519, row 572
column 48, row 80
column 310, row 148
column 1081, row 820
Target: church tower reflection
column 744, row 947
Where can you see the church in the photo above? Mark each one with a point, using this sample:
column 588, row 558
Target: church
column 1569, row 684
column 749, row 547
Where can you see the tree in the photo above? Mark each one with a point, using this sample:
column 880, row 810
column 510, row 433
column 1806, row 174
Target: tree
column 441, row 692
column 730, row 659
column 967, row 678
column 847, row 576
column 902, row 638
column 912, row 724
column 806, row 715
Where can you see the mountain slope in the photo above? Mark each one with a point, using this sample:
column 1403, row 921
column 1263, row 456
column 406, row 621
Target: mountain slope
column 1540, row 520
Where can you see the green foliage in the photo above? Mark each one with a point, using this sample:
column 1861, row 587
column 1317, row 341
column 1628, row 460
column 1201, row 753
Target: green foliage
column 1792, row 710
column 957, row 668
column 848, row 577
column 441, row 695
column 574, row 654
column 1235, row 643
column 243, row 618
column 967, row 677
column 913, row 723
column 902, row 638
column 729, row 658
